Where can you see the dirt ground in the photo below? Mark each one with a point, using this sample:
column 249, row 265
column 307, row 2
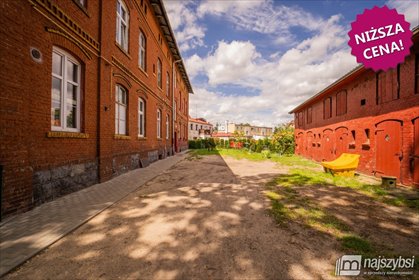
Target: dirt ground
column 206, row 218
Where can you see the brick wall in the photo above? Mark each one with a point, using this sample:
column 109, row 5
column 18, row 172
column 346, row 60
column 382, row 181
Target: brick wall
column 40, row 164
column 364, row 112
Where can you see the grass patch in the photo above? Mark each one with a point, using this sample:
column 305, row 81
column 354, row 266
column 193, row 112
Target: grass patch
column 305, row 177
column 355, row 244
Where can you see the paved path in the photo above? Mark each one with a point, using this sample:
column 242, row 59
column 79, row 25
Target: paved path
column 25, row 235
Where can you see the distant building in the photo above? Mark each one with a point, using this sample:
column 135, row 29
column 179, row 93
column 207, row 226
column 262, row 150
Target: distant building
column 199, row 128
column 249, row 131
column 222, row 135
column 373, row 114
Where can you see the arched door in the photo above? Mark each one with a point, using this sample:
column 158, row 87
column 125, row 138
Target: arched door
column 341, row 141
column 388, row 153
column 328, row 145
column 415, row 156
column 309, row 145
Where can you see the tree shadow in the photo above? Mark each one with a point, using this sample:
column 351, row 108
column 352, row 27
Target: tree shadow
column 203, row 218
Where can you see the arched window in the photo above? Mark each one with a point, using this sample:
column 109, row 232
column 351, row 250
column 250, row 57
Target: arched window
column 158, row 123
column 141, row 117
column 159, row 77
column 65, row 91
column 120, row 110
column 167, row 84
column 167, row 126
column 122, row 24
column 142, row 51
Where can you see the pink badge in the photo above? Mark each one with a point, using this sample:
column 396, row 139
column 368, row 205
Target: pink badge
column 380, row 38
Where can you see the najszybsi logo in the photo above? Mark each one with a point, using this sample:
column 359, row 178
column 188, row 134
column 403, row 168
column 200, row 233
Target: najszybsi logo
column 351, row 265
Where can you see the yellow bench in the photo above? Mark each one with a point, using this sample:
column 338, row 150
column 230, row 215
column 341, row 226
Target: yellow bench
column 345, row 165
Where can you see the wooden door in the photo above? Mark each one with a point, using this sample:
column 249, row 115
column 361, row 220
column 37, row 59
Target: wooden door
column 415, row 158
column 328, row 145
column 341, row 142
column 309, row 145
column 388, row 152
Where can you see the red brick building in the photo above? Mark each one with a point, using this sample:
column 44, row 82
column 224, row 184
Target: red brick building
column 372, row 114
column 90, row 90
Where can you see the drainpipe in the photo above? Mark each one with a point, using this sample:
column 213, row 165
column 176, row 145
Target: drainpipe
column 173, row 103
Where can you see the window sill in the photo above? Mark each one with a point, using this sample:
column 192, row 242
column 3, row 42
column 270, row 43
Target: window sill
column 83, row 8
column 67, row 134
column 142, row 138
column 121, row 137
column 122, row 50
column 142, row 70
column 159, row 139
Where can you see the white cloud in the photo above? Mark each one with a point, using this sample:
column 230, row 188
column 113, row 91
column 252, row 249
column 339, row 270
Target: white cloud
column 262, row 16
column 189, row 33
column 284, row 81
column 410, row 9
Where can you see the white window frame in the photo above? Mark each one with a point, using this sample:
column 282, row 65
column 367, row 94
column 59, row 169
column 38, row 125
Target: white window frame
column 141, row 117
column 167, row 84
column 158, row 123
column 119, row 130
column 159, row 74
column 142, row 51
column 167, row 127
column 66, row 57
column 174, row 110
column 120, row 21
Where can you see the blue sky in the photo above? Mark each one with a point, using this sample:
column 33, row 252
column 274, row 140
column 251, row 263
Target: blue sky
column 255, row 60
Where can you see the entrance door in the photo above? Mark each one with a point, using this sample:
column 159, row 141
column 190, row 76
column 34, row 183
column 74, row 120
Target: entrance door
column 327, row 145
column 176, row 143
column 341, row 141
column 309, row 145
column 388, row 153
column 416, row 153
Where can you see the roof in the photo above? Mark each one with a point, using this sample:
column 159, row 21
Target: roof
column 351, row 75
column 222, row 134
column 164, row 23
column 199, row 121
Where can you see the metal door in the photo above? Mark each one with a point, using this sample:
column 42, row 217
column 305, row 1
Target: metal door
column 328, row 145
column 415, row 158
column 388, row 153
column 341, row 134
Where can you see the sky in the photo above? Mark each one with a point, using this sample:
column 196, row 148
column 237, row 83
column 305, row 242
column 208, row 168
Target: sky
column 253, row 61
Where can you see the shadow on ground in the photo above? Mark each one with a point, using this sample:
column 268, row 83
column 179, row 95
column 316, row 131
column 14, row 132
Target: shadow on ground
column 203, row 218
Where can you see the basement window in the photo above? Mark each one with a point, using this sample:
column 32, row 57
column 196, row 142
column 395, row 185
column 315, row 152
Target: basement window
column 363, row 102
column 352, row 143
column 366, row 144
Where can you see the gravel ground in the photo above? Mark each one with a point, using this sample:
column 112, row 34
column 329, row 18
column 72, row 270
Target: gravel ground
column 205, row 218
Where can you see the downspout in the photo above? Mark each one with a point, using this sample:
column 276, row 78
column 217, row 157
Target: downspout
column 99, row 88
column 173, row 104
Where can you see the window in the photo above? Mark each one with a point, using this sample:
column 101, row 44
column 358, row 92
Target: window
column 196, row 127
column 417, row 73
column 174, row 77
column 167, row 84
column 341, row 103
column 327, row 108
column 309, row 114
column 159, row 78
column 120, row 110
column 167, row 126
column 388, row 86
column 141, row 117
column 300, row 119
column 191, row 126
column 174, row 111
column 65, row 92
column 122, row 25
column 363, row 102
column 158, row 123
column 142, row 51
column 82, row 3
